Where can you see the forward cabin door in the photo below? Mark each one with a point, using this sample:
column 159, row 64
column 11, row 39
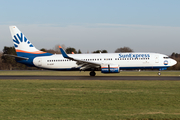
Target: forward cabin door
column 156, row 59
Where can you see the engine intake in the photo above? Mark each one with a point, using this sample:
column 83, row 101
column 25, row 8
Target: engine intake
column 110, row 69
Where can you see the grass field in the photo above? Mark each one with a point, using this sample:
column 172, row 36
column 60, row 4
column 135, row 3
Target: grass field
column 75, row 100
column 86, row 99
column 98, row 73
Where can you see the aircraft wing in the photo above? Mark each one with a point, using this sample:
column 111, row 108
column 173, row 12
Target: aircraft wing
column 84, row 64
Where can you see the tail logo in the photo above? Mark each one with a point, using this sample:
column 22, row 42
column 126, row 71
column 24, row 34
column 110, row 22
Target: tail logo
column 18, row 39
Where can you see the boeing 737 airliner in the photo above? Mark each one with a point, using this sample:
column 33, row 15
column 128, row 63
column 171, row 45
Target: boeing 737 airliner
column 104, row 62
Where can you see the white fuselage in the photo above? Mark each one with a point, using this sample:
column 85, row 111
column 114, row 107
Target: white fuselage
column 123, row 60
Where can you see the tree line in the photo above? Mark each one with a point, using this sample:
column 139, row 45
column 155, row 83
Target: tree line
column 9, row 63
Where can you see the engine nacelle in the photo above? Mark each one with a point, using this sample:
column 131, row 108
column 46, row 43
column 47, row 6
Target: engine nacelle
column 110, row 69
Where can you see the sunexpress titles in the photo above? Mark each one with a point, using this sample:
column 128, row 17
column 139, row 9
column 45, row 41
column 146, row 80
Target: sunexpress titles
column 134, row 55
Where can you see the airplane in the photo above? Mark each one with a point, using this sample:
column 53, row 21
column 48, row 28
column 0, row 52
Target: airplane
column 105, row 62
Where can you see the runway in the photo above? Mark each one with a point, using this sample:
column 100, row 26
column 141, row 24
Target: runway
column 20, row 77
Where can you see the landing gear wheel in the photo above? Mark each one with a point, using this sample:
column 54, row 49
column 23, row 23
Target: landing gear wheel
column 92, row 73
column 159, row 73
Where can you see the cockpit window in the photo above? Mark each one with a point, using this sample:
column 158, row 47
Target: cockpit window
column 166, row 57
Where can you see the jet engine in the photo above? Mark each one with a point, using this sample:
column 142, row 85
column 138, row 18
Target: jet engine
column 109, row 68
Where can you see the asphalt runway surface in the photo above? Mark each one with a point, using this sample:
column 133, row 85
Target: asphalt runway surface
column 20, row 77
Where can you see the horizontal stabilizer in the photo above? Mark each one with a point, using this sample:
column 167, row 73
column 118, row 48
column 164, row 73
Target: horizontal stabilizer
column 17, row 57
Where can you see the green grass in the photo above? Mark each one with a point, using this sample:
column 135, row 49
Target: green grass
column 98, row 73
column 94, row 100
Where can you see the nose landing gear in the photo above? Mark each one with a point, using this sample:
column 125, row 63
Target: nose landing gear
column 159, row 73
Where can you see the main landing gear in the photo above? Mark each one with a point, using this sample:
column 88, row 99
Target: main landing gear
column 92, row 73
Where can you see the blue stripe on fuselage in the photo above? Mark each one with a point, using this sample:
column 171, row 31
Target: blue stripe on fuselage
column 155, row 67
column 29, row 62
column 121, row 68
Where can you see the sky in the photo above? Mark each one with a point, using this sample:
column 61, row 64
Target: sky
column 90, row 25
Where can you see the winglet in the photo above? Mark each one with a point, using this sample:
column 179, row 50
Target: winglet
column 63, row 52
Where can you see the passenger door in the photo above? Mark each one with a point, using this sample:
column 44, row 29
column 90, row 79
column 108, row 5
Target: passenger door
column 156, row 59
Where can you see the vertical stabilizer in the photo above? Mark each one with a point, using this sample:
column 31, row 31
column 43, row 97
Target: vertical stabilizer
column 22, row 45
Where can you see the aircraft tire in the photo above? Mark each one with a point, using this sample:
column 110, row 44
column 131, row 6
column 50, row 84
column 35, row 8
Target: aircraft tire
column 92, row 73
column 159, row 73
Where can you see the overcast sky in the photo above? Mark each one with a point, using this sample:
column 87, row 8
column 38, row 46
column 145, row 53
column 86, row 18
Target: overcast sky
column 89, row 25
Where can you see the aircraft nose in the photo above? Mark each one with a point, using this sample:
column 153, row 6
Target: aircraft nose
column 173, row 62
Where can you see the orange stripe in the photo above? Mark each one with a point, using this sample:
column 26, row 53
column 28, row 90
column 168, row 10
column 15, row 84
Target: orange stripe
column 36, row 52
column 110, row 67
column 60, row 46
